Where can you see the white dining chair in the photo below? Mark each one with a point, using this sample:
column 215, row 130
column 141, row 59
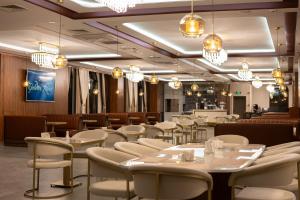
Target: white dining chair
column 200, row 129
column 154, row 143
column 134, row 149
column 233, row 139
column 113, row 136
column 284, row 145
column 132, row 131
column 96, row 134
column 170, row 182
column 105, row 164
column 186, row 128
column 295, row 149
column 46, row 154
column 154, row 132
column 259, row 182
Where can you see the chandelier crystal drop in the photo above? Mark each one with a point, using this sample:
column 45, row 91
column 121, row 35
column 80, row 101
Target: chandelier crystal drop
column 257, row 83
column 117, row 73
column 175, row 83
column 119, row 6
column 154, row 79
column 134, row 74
column 244, row 73
column 194, row 87
column 217, row 58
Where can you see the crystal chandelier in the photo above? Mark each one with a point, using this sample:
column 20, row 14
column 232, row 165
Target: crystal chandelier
column 217, row 58
column 154, row 79
column 134, row 74
column 60, row 60
column 279, row 81
column 257, row 83
column 192, row 25
column 244, row 73
column 175, row 83
column 45, row 55
column 199, row 94
column 194, row 87
column 119, row 6
column 212, row 43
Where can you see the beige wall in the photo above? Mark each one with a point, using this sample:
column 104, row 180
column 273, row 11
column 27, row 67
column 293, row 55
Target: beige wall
column 261, row 97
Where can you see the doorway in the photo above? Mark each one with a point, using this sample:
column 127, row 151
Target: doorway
column 239, row 105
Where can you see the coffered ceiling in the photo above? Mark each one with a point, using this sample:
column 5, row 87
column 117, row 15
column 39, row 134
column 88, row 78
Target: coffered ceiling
column 153, row 42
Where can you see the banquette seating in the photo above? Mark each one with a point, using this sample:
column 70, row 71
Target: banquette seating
column 136, row 118
column 116, row 120
column 16, row 128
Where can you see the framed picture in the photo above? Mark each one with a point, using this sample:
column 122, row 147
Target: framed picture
column 41, row 86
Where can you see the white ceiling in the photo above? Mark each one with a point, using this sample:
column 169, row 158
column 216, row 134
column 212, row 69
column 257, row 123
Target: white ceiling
column 240, row 30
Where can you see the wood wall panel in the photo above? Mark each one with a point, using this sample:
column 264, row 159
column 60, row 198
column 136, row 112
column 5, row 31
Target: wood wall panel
column 116, row 101
column 12, row 93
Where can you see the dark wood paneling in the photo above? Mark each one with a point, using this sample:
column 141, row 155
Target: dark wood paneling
column 12, row 93
column 152, row 97
column 116, row 101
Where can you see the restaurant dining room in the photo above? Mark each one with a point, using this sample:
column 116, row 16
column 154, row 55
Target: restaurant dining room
column 150, row 99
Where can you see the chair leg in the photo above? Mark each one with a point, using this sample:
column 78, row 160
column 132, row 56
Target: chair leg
column 33, row 184
column 38, row 180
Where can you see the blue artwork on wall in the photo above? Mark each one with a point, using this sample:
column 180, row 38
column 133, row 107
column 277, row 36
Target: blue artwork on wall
column 41, row 86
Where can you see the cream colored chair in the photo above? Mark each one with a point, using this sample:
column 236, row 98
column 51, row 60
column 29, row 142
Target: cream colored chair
column 45, row 152
column 233, row 139
column 134, row 149
column 169, row 182
column 200, row 129
column 154, row 143
column 186, row 128
column 132, row 131
column 282, row 146
column 96, row 134
column 168, row 127
column 113, row 136
column 295, row 149
column 152, row 131
column 258, row 182
column 104, row 163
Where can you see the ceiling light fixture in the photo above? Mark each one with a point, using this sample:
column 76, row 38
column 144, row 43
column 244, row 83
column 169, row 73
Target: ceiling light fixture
column 175, row 83
column 119, row 6
column 134, row 74
column 199, row 94
column 245, row 74
column 257, row 83
column 270, row 88
column 117, row 71
column 60, row 61
column 192, row 25
column 194, row 87
column 154, row 79
column 45, row 56
column 277, row 73
column 189, row 93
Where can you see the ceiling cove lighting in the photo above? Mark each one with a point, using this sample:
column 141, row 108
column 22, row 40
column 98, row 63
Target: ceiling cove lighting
column 192, row 25
column 165, row 42
column 17, row 48
column 204, row 61
column 78, row 56
column 96, row 65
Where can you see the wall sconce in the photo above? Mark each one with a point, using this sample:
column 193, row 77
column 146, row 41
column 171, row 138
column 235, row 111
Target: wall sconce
column 25, row 84
column 117, row 91
column 141, row 94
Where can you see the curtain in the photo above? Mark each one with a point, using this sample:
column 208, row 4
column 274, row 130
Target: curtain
column 84, row 87
column 78, row 93
column 99, row 97
column 132, row 103
column 145, row 97
column 103, row 93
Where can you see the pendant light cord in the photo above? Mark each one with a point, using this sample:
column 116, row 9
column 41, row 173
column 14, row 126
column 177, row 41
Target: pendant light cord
column 192, row 6
column 59, row 34
column 117, row 40
column 213, row 16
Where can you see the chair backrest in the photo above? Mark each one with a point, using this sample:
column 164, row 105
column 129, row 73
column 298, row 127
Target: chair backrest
column 47, row 146
column 221, row 119
column 136, row 128
column 134, row 149
column 166, row 182
column 166, row 125
column 114, row 136
column 152, row 131
column 283, row 151
column 235, row 139
column 91, row 134
column 105, row 163
column 154, row 143
column 277, row 172
column 284, row 145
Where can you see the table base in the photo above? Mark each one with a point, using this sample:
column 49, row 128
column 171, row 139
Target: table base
column 60, row 184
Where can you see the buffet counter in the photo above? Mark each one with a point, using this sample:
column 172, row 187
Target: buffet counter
column 211, row 114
